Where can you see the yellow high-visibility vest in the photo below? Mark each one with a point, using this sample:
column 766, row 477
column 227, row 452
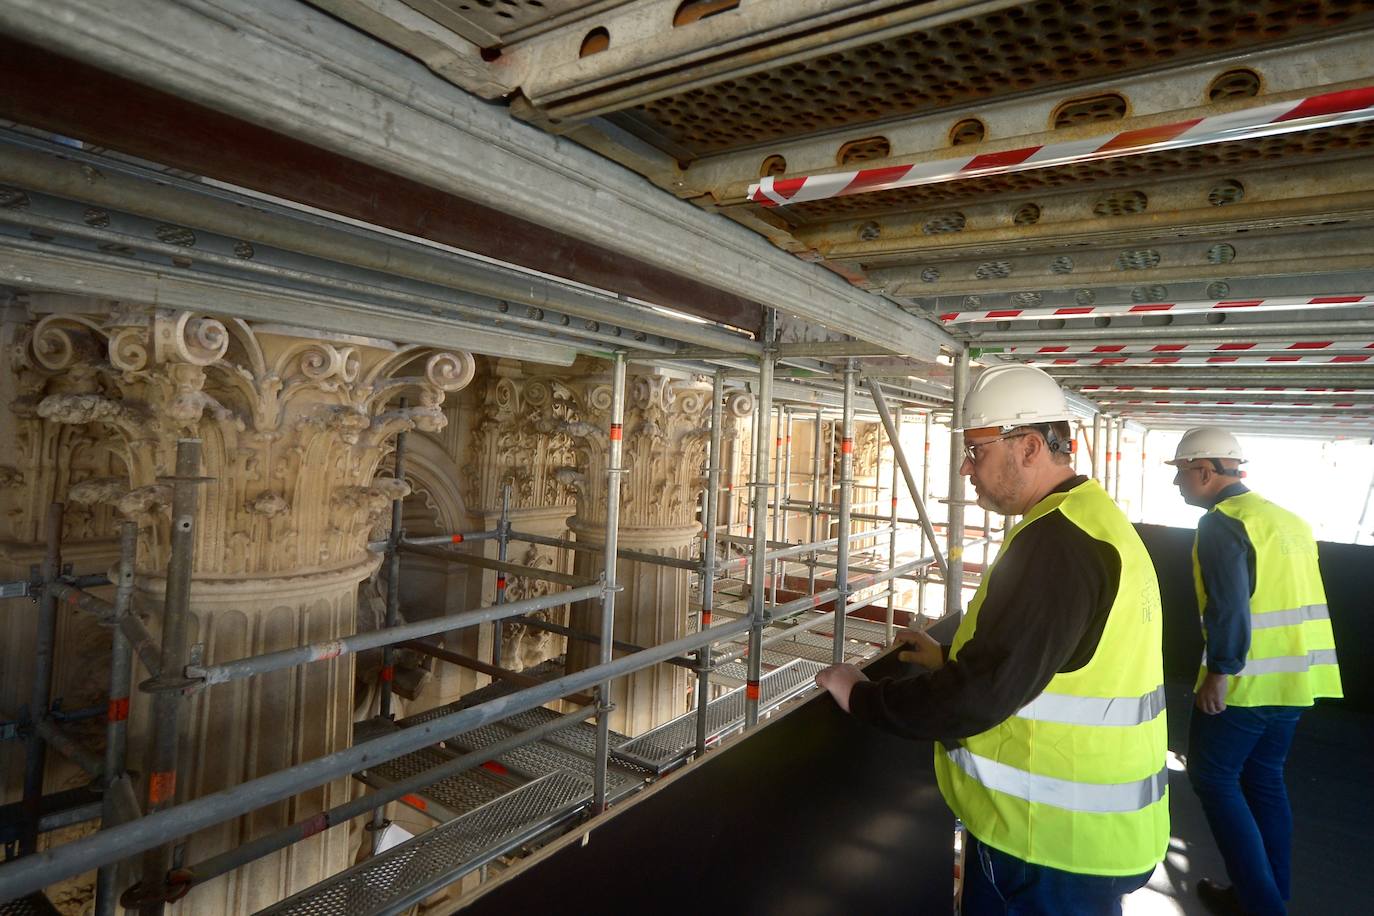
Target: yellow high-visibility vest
column 1292, row 657
column 1077, row 779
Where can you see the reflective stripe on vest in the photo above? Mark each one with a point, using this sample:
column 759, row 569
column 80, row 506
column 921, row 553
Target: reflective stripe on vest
column 1075, row 710
column 1287, row 618
column 1289, row 664
column 1291, row 660
column 1062, row 793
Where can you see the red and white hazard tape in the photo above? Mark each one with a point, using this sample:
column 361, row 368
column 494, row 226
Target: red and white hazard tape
column 1264, row 346
column 1243, row 402
column 1329, row 109
column 1306, row 359
column 1106, row 389
column 1277, row 303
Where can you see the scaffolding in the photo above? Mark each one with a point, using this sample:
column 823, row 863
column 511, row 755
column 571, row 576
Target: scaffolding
column 497, row 769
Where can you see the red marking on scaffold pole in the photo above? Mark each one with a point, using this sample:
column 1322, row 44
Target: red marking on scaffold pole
column 162, row 787
column 501, row 581
column 327, row 651
column 388, row 672
column 117, row 710
column 492, row 766
column 705, row 618
column 457, row 539
column 317, row 824
column 847, row 446
column 415, row 802
column 751, row 690
column 617, row 432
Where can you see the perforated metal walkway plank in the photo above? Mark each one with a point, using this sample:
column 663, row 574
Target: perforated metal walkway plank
column 544, row 757
column 406, row 874
column 663, row 748
column 35, row 904
column 446, row 798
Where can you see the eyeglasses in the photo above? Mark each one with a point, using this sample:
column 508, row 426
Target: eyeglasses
column 975, row 452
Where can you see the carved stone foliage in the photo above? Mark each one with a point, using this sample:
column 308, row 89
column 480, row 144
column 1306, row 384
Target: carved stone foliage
column 867, row 441
column 868, row 438
column 293, row 423
column 520, row 438
column 666, row 434
column 524, row 646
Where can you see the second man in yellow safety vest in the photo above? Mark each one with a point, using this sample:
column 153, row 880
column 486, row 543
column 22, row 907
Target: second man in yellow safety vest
column 1049, row 711
column 1270, row 653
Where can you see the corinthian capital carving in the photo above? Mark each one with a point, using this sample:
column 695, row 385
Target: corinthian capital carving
column 664, row 446
column 295, row 422
column 522, row 435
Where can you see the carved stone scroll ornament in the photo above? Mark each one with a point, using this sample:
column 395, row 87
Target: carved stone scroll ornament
column 521, row 437
column 667, row 432
column 294, row 423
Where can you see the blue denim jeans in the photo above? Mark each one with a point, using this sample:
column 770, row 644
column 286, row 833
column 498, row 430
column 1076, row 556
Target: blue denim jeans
column 1235, row 763
column 1001, row 884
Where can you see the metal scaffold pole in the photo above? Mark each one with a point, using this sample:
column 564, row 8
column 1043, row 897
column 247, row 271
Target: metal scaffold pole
column 776, row 498
column 758, row 563
column 40, row 696
column 813, row 531
column 502, row 555
column 954, row 551
column 925, row 496
column 1113, row 443
column 117, row 715
column 393, row 609
column 708, row 556
column 1140, row 510
column 731, row 475
column 161, row 759
column 830, row 476
column 846, row 501
column 899, row 455
column 1116, row 459
column 889, row 618
column 615, row 443
column 782, row 496
column 1095, row 449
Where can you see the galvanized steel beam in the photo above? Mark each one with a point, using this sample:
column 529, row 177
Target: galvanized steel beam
column 294, row 70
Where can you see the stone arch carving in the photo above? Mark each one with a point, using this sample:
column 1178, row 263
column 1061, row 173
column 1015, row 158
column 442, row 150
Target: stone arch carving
column 434, row 478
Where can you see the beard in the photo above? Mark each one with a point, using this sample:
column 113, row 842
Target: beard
column 1003, row 489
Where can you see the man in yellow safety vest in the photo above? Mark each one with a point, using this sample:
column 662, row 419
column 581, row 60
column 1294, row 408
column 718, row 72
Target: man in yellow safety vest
column 1270, row 652
column 1048, row 712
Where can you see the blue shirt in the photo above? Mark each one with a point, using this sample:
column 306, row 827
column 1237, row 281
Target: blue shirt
column 1227, row 561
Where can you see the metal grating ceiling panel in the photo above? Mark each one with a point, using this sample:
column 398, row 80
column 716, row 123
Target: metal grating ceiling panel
column 1028, row 47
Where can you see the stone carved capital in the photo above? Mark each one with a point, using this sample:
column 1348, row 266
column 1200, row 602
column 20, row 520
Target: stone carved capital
column 523, row 433
column 294, row 423
column 666, row 435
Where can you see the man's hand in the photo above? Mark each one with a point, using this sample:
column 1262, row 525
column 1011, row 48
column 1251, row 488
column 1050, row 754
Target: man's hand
column 1211, row 696
column 840, row 680
column 926, row 651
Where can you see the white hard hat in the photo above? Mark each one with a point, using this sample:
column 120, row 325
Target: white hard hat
column 1206, row 442
column 1013, row 395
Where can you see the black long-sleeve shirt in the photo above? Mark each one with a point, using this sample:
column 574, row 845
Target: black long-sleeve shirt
column 1044, row 611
